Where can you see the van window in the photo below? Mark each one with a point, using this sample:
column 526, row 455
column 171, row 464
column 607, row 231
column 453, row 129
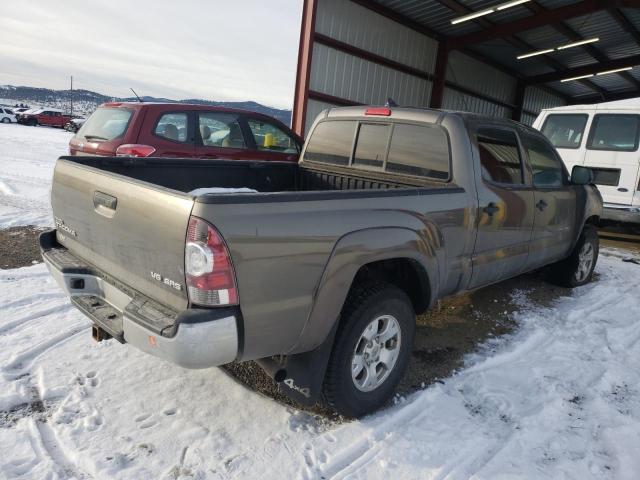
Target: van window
column 106, row 124
column 500, row 156
column 546, row 166
column 371, row 146
column 331, row 142
column 614, row 132
column 565, row 131
column 419, row 150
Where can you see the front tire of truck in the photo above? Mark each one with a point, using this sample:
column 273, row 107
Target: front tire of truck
column 577, row 268
column 371, row 351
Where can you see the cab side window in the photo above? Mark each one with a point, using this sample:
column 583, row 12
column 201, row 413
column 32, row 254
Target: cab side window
column 500, row 156
column 546, row 165
column 615, row 132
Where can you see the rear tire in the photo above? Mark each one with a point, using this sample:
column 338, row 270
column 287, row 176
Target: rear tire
column 6, row 120
column 577, row 268
column 371, row 351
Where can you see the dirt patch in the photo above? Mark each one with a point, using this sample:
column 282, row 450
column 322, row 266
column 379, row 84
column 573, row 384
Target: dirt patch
column 19, row 247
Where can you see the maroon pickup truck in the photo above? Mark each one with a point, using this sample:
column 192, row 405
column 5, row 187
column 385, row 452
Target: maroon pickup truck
column 51, row 117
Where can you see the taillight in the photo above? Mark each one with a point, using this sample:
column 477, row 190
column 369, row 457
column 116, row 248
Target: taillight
column 211, row 280
column 134, row 150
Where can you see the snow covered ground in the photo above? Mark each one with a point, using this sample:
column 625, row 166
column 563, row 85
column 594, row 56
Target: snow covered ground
column 27, row 158
column 559, row 399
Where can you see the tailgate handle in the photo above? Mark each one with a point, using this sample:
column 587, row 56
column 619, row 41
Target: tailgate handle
column 105, row 204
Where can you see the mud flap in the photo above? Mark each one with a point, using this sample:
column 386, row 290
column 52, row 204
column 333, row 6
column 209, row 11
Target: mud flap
column 305, row 372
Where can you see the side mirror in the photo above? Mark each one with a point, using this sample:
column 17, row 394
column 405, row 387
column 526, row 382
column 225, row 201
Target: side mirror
column 581, row 175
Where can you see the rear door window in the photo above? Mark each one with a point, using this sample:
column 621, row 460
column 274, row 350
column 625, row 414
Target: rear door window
column 331, row 142
column 106, row 124
column 173, row 126
column 419, row 150
column 268, row 137
column 614, row 132
column 500, row 156
column 221, row 130
column 371, row 146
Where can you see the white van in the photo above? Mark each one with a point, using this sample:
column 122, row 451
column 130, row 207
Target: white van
column 603, row 137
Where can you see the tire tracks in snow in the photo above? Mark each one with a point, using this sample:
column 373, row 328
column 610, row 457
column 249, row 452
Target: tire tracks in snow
column 9, row 326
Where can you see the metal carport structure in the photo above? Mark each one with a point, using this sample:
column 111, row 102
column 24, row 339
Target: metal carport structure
column 463, row 54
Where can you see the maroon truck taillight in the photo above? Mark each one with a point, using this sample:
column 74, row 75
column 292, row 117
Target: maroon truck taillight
column 211, row 280
column 134, row 150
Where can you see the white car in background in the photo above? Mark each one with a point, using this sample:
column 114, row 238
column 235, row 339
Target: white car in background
column 7, row 115
column 604, row 137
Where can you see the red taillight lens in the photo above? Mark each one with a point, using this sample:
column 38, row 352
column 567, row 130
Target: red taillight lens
column 134, row 150
column 380, row 111
column 211, row 280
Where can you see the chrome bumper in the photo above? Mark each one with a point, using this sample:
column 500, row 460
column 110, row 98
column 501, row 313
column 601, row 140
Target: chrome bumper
column 200, row 344
column 621, row 213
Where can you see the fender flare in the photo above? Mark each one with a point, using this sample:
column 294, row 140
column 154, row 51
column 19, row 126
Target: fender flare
column 352, row 252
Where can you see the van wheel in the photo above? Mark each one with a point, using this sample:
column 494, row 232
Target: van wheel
column 372, row 349
column 6, row 120
column 577, row 268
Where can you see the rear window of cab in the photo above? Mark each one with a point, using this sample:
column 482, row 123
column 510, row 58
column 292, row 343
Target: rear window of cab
column 398, row 148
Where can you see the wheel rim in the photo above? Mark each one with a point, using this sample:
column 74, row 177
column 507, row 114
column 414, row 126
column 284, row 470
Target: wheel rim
column 376, row 353
column 585, row 262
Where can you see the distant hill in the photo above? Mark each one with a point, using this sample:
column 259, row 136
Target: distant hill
column 86, row 101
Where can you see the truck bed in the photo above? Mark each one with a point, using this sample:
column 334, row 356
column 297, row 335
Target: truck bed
column 185, row 175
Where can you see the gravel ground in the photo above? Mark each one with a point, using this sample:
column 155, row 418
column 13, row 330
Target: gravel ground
column 19, row 247
column 444, row 335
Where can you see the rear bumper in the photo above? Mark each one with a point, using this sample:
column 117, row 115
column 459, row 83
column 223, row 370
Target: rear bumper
column 620, row 213
column 194, row 338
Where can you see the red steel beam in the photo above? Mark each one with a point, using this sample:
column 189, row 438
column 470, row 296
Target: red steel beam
column 440, row 77
column 303, row 72
column 548, row 17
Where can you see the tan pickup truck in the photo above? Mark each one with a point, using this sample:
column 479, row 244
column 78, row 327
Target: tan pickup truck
column 317, row 270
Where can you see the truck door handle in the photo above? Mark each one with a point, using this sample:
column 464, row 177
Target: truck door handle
column 491, row 209
column 622, row 189
column 541, row 205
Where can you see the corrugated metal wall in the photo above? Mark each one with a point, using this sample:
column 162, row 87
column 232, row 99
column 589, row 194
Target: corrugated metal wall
column 536, row 99
column 353, row 79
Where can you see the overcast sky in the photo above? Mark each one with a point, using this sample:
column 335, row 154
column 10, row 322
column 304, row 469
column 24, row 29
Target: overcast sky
column 212, row 49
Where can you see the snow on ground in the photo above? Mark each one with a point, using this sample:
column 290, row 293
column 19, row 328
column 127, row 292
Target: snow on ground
column 558, row 399
column 27, row 158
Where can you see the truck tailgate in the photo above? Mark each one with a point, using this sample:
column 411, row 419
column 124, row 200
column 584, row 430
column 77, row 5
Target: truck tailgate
column 131, row 230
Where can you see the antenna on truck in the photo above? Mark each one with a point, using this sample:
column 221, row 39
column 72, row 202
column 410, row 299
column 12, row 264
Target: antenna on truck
column 134, row 92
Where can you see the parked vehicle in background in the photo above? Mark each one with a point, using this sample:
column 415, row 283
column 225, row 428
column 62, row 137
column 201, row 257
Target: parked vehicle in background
column 20, row 110
column 320, row 273
column 7, row 115
column 604, row 137
column 187, row 131
column 50, row 117
column 74, row 124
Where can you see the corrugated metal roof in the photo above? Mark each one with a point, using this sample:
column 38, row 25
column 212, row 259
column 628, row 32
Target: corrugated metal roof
column 614, row 42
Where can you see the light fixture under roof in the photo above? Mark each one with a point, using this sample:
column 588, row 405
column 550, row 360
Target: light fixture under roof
column 577, row 44
column 581, row 77
column 606, row 72
column 533, row 54
column 487, row 11
column 617, row 70
column 561, row 47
